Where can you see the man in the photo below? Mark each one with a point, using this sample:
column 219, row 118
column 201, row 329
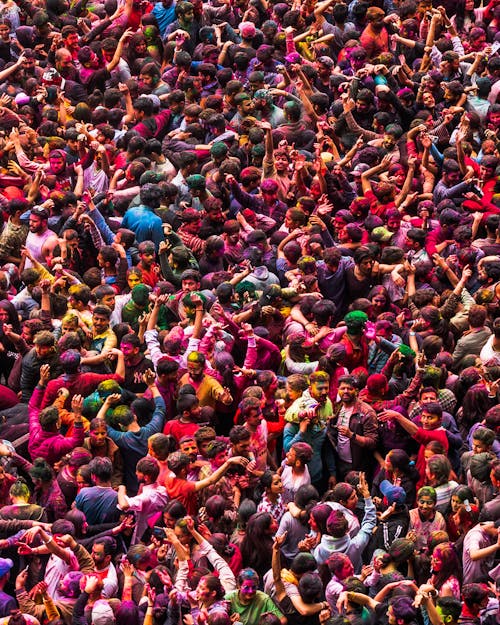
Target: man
column 142, row 220
column 164, row 12
column 431, row 430
column 474, row 339
column 40, row 240
column 99, row 502
column 103, row 550
column 208, row 390
column 151, row 499
column 7, row 603
column 352, row 430
column 249, row 603
column 14, row 234
column 133, row 439
column 481, row 544
column 475, row 598
column 45, row 440
column 306, row 423
column 185, row 491
column 74, row 381
column 136, row 364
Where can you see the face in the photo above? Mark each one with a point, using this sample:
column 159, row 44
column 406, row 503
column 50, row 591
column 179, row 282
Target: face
column 189, row 448
column 428, row 100
column 98, row 437
column 57, row 164
column 44, row 351
column 36, row 224
column 169, row 520
column 352, row 501
column 430, row 421
column 378, row 301
column 109, row 301
column 347, row 393
column 242, row 448
column 133, row 279
column 276, row 485
column 100, row 323
column 129, row 351
column 248, row 591
column 478, row 447
column 190, row 285
column 436, row 562
column 203, row 593
column 366, row 266
column 98, row 555
column 183, row 537
column 456, row 504
column 4, row 31
column 80, row 482
column 254, row 418
column 271, row 197
column 220, row 458
column 347, row 570
column 428, row 397
column 195, row 370
column 319, row 391
column 426, row 505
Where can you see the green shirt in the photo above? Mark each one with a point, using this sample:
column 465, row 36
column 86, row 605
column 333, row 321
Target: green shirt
column 251, row 613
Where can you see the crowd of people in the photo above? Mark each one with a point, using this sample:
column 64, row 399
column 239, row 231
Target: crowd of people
column 249, row 312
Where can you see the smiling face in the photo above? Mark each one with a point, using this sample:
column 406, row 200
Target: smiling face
column 248, row 591
column 426, row 506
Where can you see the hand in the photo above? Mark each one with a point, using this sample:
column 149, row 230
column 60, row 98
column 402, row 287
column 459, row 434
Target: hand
column 126, row 35
column 279, row 541
column 44, row 375
column 127, row 568
column 91, row 583
column 77, row 404
column 149, row 377
column 68, row 541
column 363, row 489
column 151, row 594
column 345, row 431
column 238, row 460
column 114, row 398
column 466, row 274
column 21, row 579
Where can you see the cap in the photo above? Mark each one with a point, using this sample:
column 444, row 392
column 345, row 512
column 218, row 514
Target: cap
column 393, row 494
column 102, row 614
column 5, row 565
column 360, row 168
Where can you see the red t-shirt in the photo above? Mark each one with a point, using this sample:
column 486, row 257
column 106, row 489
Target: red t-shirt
column 423, row 437
column 184, row 491
column 178, row 429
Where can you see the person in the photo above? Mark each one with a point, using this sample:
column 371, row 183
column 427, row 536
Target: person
column 253, row 242
column 249, row 602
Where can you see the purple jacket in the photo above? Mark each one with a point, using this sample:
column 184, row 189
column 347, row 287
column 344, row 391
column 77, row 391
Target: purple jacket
column 52, row 447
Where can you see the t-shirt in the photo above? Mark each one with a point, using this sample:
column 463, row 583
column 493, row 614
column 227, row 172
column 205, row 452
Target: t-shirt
column 184, row 491
column 476, row 570
column 98, row 503
column 251, row 613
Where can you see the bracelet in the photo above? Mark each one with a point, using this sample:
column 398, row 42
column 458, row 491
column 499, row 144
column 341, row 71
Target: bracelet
column 46, row 542
column 412, row 333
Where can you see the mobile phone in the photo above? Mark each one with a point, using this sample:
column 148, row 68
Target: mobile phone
column 159, row 533
column 495, row 47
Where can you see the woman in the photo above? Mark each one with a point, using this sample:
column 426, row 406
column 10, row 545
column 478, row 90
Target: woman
column 399, row 470
column 256, row 547
column 425, row 519
column 272, row 500
column 445, row 571
column 380, row 303
column 475, row 405
column 217, row 454
column 462, row 499
column 438, row 472
column 343, row 497
column 100, row 445
column 246, row 510
column 431, row 322
column 8, row 352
